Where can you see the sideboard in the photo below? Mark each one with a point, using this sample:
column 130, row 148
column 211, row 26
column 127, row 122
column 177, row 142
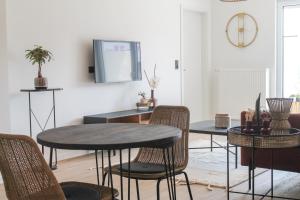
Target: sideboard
column 127, row 116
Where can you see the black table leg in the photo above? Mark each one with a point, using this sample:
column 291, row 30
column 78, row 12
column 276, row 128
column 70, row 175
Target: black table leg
column 211, row 142
column 173, row 164
column 53, row 167
column 129, row 169
column 50, row 158
column 228, row 184
column 97, row 167
column 236, row 157
column 102, row 171
column 121, row 174
column 30, row 121
column 249, row 176
column 137, row 189
column 54, row 122
column 170, row 173
column 253, row 169
column 110, row 175
column 272, row 174
column 167, row 171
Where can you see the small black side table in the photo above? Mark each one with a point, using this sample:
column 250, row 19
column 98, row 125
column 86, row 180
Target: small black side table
column 275, row 140
column 52, row 113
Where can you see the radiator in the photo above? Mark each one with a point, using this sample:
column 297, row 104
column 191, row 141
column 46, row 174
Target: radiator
column 238, row 89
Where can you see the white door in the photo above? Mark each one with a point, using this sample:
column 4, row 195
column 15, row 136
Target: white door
column 191, row 52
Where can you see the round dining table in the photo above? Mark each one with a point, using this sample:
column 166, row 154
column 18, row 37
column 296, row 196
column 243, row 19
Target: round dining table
column 115, row 136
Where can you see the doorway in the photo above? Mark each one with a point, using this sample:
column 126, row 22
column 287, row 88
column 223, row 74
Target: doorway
column 192, row 62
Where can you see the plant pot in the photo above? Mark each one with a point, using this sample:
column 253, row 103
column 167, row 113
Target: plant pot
column 40, row 83
column 153, row 100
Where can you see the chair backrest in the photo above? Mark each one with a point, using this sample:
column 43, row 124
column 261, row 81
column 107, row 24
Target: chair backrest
column 25, row 172
column 176, row 116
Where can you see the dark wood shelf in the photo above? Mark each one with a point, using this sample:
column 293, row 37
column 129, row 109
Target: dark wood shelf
column 127, row 116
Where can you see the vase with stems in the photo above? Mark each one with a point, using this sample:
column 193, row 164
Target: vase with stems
column 153, row 84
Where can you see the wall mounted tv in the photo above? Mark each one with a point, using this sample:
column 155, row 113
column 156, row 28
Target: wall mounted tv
column 117, row 61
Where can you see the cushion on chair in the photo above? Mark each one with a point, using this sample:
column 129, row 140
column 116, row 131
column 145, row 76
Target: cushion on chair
column 80, row 192
column 147, row 168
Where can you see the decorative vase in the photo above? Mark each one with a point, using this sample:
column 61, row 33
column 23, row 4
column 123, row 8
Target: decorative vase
column 40, row 83
column 222, row 121
column 153, row 100
column 280, row 111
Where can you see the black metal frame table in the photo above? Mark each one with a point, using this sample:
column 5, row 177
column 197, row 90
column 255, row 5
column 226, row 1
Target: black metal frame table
column 275, row 140
column 43, row 127
column 117, row 136
column 208, row 127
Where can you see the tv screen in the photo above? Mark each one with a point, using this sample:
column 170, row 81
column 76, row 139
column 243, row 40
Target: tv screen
column 117, row 61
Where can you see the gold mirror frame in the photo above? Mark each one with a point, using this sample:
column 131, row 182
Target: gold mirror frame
column 241, row 30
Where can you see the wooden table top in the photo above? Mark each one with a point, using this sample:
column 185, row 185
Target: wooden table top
column 109, row 136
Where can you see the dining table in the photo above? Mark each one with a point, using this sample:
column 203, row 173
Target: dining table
column 119, row 137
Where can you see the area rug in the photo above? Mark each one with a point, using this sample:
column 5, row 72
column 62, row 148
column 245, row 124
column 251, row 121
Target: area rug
column 210, row 169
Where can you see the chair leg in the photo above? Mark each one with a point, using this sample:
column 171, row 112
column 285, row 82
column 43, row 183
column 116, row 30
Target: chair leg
column 137, row 189
column 188, row 185
column 157, row 189
column 103, row 178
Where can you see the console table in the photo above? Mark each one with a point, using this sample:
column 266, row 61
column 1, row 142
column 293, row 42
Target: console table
column 51, row 113
column 127, row 116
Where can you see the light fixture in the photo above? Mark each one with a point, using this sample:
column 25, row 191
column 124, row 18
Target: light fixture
column 232, row 0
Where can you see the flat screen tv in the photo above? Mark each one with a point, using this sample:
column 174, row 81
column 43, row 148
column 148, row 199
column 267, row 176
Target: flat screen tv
column 117, row 61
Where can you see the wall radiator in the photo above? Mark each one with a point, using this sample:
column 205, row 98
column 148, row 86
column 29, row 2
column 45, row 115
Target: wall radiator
column 238, row 89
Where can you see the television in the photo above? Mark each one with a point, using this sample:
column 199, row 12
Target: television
column 116, row 61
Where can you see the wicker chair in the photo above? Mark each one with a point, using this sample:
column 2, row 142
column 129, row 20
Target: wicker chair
column 149, row 162
column 27, row 176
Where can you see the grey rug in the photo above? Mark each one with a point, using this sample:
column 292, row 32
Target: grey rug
column 209, row 168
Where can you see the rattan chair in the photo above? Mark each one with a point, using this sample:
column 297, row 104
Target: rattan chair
column 149, row 162
column 27, row 176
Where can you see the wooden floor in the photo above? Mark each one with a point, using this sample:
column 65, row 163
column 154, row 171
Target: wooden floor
column 82, row 169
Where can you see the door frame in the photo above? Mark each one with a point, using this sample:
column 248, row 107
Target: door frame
column 206, row 54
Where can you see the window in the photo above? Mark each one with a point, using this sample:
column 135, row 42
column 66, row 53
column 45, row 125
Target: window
column 288, row 45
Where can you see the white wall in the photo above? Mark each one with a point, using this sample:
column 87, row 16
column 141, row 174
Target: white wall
column 67, row 27
column 4, row 98
column 261, row 54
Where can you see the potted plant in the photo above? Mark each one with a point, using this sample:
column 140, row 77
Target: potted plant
column 296, row 97
column 144, row 103
column 39, row 56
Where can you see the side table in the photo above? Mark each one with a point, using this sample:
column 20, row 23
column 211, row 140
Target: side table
column 43, row 127
column 275, row 140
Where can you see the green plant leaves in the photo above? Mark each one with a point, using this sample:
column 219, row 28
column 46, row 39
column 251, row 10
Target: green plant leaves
column 38, row 55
